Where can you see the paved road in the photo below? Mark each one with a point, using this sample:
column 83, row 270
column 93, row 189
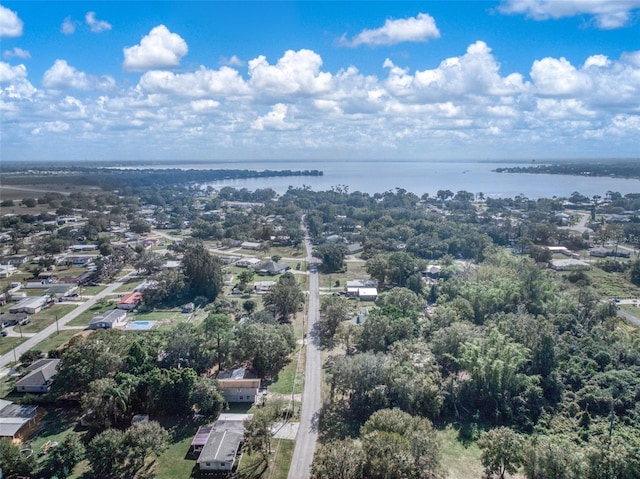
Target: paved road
column 51, row 329
column 308, row 432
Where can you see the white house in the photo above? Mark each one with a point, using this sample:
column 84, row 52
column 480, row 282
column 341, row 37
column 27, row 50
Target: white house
column 238, row 385
column 262, row 287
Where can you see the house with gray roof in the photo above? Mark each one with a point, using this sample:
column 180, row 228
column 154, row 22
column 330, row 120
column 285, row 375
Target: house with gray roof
column 39, row 378
column 221, row 447
column 108, row 320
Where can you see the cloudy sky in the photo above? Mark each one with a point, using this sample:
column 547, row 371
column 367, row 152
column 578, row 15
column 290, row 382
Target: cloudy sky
column 312, row 80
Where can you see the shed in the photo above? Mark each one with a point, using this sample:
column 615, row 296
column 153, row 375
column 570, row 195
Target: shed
column 16, row 418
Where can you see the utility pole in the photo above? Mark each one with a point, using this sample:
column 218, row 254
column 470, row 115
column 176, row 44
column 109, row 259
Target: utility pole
column 57, row 327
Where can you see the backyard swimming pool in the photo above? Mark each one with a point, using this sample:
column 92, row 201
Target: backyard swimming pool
column 139, row 325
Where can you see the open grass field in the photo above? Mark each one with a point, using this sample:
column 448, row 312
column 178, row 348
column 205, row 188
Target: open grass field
column 47, row 316
column 461, row 459
column 56, row 340
column 355, row 270
column 7, row 344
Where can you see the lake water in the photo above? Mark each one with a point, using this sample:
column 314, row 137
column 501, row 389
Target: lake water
column 376, row 176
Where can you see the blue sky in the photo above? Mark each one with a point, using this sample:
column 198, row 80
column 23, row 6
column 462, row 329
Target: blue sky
column 310, row 80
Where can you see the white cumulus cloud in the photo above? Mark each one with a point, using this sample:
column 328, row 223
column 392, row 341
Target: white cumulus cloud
column 17, row 53
column 202, row 82
column 157, row 50
column 10, row 23
column 557, row 76
column 9, row 73
column 62, row 76
column 415, row 29
column 474, row 73
column 297, row 72
column 607, row 14
column 95, row 25
column 276, row 119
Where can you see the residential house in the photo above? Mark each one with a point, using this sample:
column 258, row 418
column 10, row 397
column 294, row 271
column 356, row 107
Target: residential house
column 130, row 301
column 367, row 294
column 39, row 378
column 80, row 248
column 61, row 290
column 109, row 320
column 271, row 268
column 352, row 288
column 569, row 265
column 247, row 262
column 239, row 385
column 16, row 420
column 11, row 319
column 263, row 287
column 7, row 270
column 355, row 248
column 80, row 259
column 250, row 245
column 222, row 444
column 30, row 305
column 16, row 259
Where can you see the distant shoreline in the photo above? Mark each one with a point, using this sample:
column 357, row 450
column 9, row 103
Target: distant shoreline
column 622, row 169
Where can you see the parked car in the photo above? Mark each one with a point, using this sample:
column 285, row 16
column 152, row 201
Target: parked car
column 24, row 321
column 3, row 333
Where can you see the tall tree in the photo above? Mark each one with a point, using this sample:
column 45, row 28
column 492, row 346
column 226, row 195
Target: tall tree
column 333, row 311
column 63, row 458
column 203, row 272
column 285, row 296
column 339, row 459
column 501, row 451
column 332, row 256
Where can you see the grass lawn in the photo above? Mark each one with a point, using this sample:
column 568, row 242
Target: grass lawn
column 288, row 252
column 288, row 381
column 169, row 314
column 47, row 316
column 55, row 425
column 460, row 460
column 92, row 290
column 252, row 466
column 84, row 318
column 355, row 270
column 129, row 285
column 56, row 340
column 173, row 463
column 7, row 344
